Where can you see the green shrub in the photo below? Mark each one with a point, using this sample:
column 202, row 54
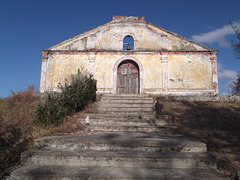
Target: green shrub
column 73, row 98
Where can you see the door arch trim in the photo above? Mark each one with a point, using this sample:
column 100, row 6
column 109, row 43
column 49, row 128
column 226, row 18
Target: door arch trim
column 116, row 67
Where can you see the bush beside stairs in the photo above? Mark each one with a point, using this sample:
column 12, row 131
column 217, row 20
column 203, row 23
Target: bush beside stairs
column 124, row 140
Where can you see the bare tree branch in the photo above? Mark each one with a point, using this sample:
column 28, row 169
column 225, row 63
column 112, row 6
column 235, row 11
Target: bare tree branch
column 236, row 45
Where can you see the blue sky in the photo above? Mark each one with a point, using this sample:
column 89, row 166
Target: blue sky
column 28, row 26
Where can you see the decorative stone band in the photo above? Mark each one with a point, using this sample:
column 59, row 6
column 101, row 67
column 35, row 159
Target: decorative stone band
column 135, row 52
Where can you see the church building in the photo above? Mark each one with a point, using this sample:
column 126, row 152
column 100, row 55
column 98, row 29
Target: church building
column 129, row 55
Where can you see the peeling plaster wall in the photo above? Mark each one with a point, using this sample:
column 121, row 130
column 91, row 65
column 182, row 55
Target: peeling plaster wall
column 146, row 37
column 185, row 71
column 103, row 71
column 61, row 67
column 169, row 63
column 152, row 71
column 189, row 71
column 104, row 64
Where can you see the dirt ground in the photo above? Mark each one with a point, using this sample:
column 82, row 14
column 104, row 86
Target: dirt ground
column 215, row 123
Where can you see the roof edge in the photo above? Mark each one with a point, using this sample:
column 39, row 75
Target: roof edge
column 132, row 51
column 79, row 35
column 182, row 37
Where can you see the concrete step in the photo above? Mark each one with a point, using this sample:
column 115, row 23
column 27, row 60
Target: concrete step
column 119, row 115
column 120, row 128
column 127, row 113
column 109, row 173
column 127, row 109
column 125, row 122
column 133, row 101
column 126, row 105
column 125, row 96
column 130, row 115
column 123, row 141
column 118, row 159
column 147, row 116
column 118, row 99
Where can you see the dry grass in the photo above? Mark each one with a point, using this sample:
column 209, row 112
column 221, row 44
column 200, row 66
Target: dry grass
column 17, row 130
column 215, row 123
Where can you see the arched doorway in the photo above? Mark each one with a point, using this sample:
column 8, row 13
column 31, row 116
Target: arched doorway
column 128, row 77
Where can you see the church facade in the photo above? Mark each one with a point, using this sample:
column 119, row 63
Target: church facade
column 132, row 56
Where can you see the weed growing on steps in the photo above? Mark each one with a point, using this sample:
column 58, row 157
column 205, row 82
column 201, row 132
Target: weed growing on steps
column 73, row 98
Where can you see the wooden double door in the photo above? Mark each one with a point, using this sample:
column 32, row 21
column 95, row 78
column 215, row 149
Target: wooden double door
column 128, row 78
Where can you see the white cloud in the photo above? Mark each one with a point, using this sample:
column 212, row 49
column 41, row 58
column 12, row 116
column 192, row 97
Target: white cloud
column 219, row 67
column 226, row 73
column 216, row 36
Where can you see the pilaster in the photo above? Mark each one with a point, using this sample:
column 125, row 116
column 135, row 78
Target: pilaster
column 43, row 71
column 214, row 73
column 164, row 41
column 165, row 73
column 91, row 59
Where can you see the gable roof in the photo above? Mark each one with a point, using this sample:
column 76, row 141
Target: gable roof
column 98, row 39
column 184, row 38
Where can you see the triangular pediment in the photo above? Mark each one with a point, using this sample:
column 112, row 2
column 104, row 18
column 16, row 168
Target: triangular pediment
column 147, row 37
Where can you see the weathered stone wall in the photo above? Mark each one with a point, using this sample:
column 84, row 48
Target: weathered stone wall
column 168, row 64
column 189, row 71
column 60, row 67
column 147, row 37
column 186, row 73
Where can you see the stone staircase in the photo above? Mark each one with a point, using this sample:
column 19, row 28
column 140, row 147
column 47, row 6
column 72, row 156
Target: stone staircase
column 124, row 140
column 141, row 105
column 133, row 113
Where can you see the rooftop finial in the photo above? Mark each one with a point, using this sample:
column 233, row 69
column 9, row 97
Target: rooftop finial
column 128, row 18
